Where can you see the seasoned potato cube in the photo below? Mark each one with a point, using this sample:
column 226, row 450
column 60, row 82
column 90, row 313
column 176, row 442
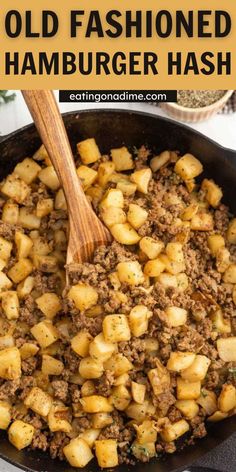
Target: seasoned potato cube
column 214, row 193
column 167, row 280
column 106, row 453
column 137, row 412
column 5, row 249
column 88, row 151
column 28, row 220
column 10, row 304
column 23, row 244
column 120, row 397
column 15, row 188
column 49, row 303
column 122, row 159
column 207, row 401
column 87, row 176
column 138, row 392
column 118, row 364
column 142, row 178
column 227, row 398
column 174, row 252
column 159, row 161
column 5, row 414
column 20, row 270
column 25, row 287
column 90, row 368
column 27, row 170
column 176, row 316
column 42, row 155
column 188, row 167
column 116, row 328
column 159, row 378
column 130, row 272
column 136, row 215
column 44, row 207
column 173, row 267
column 151, row 344
column 217, row 416
column 188, row 390
column 101, row 349
column 231, row 233
column 126, row 187
column 105, row 170
column 146, row 432
column 78, row 453
column 215, row 242
column 80, row 343
column 202, row 222
column 229, row 276
column 125, row 234
column 57, row 418
column 140, row 450
column 151, row 247
column 179, row 361
column 96, row 404
column 10, row 363
column 49, row 178
column 10, row 213
column 190, row 211
column 20, row 434
column 112, row 216
column 40, row 247
column 138, row 320
column 51, row 366
column 189, row 408
column 88, row 388
column 197, row 370
column 45, row 333
column 174, row 431
column 182, row 282
column 101, row 420
column 84, row 296
column 154, row 267
column 222, row 259
column 38, row 401
column 219, row 323
column 90, row 436
column 227, row 348
column 113, row 198
column 6, row 341
column 60, row 201
column 28, row 350
column 5, row 282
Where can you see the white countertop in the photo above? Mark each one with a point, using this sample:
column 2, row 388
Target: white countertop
column 221, row 128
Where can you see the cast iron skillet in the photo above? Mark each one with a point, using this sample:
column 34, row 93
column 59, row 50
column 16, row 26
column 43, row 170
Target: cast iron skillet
column 113, row 128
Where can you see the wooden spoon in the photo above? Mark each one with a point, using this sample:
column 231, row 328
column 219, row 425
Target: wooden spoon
column 86, row 230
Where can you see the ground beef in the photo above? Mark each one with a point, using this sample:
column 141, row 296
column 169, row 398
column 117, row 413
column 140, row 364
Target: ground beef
column 60, row 388
column 134, row 350
column 40, row 441
column 105, row 384
column 8, row 389
column 57, row 443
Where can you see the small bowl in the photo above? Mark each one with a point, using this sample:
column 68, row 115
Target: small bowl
column 194, row 115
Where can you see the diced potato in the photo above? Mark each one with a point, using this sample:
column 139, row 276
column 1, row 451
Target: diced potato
column 51, row 366
column 190, row 184
column 227, row 348
column 10, row 213
column 222, row 259
column 40, row 247
column 202, row 222
column 5, row 414
column 231, row 233
column 10, row 304
column 90, row 436
column 20, row 434
column 113, row 216
column 214, row 193
column 136, row 215
column 101, row 349
column 197, row 370
column 174, row 252
column 42, row 155
column 118, row 364
column 227, row 398
column 105, row 170
column 138, row 392
column 5, row 282
column 207, row 401
column 151, row 344
column 229, row 276
column 125, row 234
column 101, row 420
column 154, row 267
column 159, row 378
column 28, row 350
column 15, row 188
column 20, row 270
column 28, row 220
column 189, row 408
column 146, row 432
column 84, row 296
column 219, row 323
column 10, row 363
column 142, row 178
column 44, row 207
column 215, row 242
column 5, row 249
column 217, row 416
column 173, row 267
column 96, row 404
column 38, row 401
column 130, row 272
column 90, row 368
column 138, row 320
column 120, row 397
column 116, row 328
column 60, row 201
column 122, row 159
column 57, row 418
column 2, row 264
column 78, row 453
column 182, row 282
column 114, row 280
column 168, row 280
column 190, row 211
column 49, row 178
column 88, row 151
column 80, row 343
column 87, row 176
column 159, row 161
column 188, row 167
column 188, row 390
column 6, row 341
column 126, row 187
column 25, row 287
column 151, row 247
column 88, row 388
column 45, row 333
column 23, row 244
column 147, row 450
column 106, row 453
column 136, row 411
column 113, row 198
column 179, row 361
column 174, row 431
column 27, row 170
column 49, row 303
column 176, row 316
